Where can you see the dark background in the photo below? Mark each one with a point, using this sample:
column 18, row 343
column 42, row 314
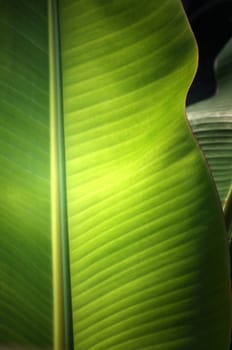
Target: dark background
column 211, row 22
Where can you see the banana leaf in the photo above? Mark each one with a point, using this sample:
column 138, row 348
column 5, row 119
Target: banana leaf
column 25, row 240
column 211, row 121
column 103, row 181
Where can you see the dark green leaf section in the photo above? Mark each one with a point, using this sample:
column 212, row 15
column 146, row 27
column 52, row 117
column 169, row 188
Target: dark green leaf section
column 228, row 214
column 25, row 257
column 148, row 251
column 211, row 121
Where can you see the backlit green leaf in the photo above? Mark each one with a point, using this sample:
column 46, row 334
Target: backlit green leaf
column 147, row 244
column 143, row 225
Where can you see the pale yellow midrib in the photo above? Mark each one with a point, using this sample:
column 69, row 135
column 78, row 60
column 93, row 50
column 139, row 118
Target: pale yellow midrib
column 58, row 307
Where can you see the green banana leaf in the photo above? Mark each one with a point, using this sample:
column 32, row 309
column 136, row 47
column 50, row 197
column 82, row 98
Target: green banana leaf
column 211, row 121
column 25, row 243
column 107, row 185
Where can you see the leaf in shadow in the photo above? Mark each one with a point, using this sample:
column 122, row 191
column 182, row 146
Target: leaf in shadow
column 211, row 121
column 25, row 243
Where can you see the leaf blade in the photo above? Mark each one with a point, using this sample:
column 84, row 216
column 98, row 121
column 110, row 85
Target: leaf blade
column 128, row 233
column 211, row 121
column 26, row 301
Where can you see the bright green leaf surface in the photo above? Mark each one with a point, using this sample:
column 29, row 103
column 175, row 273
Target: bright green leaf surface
column 25, row 252
column 211, row 121
column 148, row 252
